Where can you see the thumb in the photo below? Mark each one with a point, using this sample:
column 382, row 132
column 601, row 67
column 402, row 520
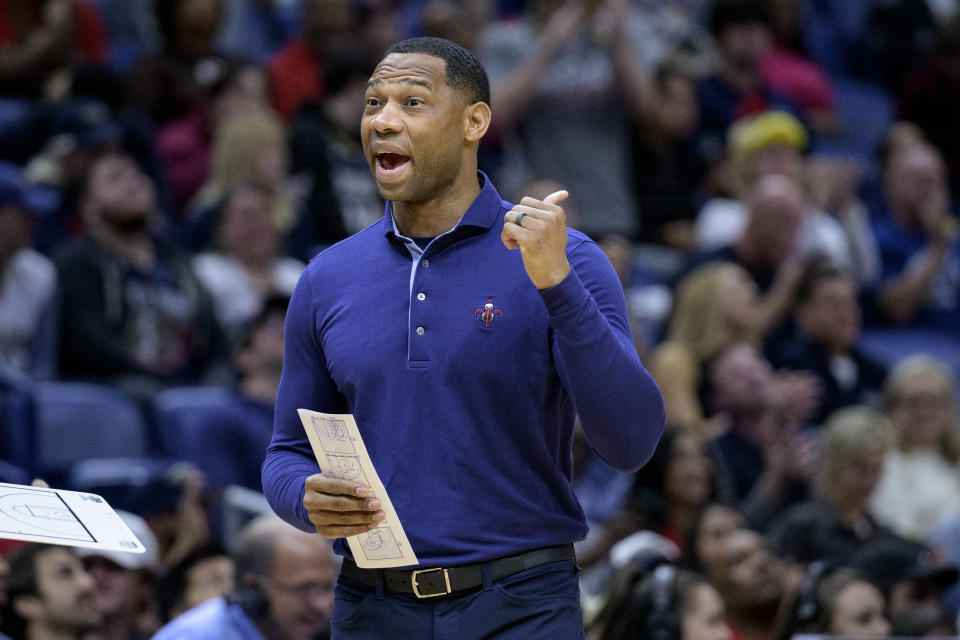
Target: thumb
column 556, row 197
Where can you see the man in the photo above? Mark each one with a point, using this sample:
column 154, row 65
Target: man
column 822, row 337
column 124, row 586
column 766, row 455
column 28, row 280
column 467, row 415
column 751, row 581
column 284, row 590
column 49, row 595
column 131, row 304
column 769, row 247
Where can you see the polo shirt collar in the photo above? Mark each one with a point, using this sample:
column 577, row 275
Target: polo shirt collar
column 482, row 215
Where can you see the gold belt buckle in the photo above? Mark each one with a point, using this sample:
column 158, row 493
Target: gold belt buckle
column 416, row 587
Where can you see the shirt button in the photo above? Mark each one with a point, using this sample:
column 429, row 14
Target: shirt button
column 421, row 296
column 419, row 331
column 425, row 263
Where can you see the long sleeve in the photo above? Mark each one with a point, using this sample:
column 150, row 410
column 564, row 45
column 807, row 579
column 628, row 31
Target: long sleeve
column 618, row 402
column 305, row 382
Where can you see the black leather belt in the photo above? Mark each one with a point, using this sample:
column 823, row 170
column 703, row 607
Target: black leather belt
column 442, row 581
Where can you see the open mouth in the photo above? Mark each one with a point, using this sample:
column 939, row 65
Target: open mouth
column 391, row 161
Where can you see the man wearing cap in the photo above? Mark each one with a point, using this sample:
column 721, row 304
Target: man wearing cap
column 124, row 586
column 911, row 577
column 28, row 280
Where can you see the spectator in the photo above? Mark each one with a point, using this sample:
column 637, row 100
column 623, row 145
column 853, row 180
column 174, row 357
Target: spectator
column 767, row 455
column 49, row 595
column 284, row 589
column 917, row 236
column 168, row 84
column 251, row 147
column 837, row 520
column 836, row 222
column 131, row 304
column 912, row 579
column 40, row 41
column 750, row 579
column 769, row 247
column 667, row 169
column 205, row 574
column 822, row 337
column 185, row 143
column 665, row 603
column 230, row 439
column 667, row 493
column 247, row 267
column 708, row 530
column 840, row 602
column 571, row 68
column 741, row 30
column 327, row 156
column 931, row 97
column 297, row 70
column 28, row 282
column 124, row 586
column 714, row 306
column 920, row 486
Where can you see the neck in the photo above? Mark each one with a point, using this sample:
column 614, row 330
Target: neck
column 43, row 632
column 134, row 247
column 115, row 628
column 755, row 623
column 441, row 213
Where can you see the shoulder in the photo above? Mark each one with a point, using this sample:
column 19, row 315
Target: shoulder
column 208, row 621
column 36, row 266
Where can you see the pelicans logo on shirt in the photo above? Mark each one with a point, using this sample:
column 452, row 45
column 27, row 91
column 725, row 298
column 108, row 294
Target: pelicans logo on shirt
column 487, row 314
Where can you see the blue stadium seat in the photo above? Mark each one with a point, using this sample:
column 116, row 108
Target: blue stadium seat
column 79, row 420
column 17, row 433
column 133, row 484
column 217, row 430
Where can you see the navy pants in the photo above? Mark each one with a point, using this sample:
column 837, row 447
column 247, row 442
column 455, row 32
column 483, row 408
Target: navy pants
column 540, row 602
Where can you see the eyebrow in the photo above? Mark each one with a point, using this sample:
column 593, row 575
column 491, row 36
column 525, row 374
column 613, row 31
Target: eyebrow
column 418, row 83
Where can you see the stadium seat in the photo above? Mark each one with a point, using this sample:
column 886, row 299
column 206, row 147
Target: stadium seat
column 216, row 430
column 78, row 420
column 17, row 432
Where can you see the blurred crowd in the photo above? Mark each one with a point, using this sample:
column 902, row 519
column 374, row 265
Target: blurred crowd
column 775, row 182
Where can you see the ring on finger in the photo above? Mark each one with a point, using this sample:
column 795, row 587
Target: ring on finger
column 518, row 220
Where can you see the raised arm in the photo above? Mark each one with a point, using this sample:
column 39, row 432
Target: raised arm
column 619, row 405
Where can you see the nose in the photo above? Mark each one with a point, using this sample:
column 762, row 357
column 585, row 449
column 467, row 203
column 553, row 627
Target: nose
column 387, row 119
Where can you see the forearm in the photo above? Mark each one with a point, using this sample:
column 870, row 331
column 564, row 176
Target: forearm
column 513, row 94
column 305, row 383
column 619, row 404
column 902, row 296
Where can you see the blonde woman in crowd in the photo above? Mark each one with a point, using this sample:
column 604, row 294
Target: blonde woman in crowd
column 251, row 147
column 837, row 520
column 715, row 305
column 920, row 486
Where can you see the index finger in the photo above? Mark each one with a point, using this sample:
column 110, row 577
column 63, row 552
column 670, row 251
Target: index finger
column 335, row 486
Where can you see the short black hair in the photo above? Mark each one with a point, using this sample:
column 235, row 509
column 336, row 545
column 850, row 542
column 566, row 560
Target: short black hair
column 465, row 72
column 729, row 13
column 21, row 581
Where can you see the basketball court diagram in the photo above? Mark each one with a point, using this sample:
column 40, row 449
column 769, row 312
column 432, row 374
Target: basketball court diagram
column 341, row 453
column 43, row 514
column 380, row 544
column 333, row 434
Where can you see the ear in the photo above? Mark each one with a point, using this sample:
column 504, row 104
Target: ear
column 28, row 607
column 476, row 121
